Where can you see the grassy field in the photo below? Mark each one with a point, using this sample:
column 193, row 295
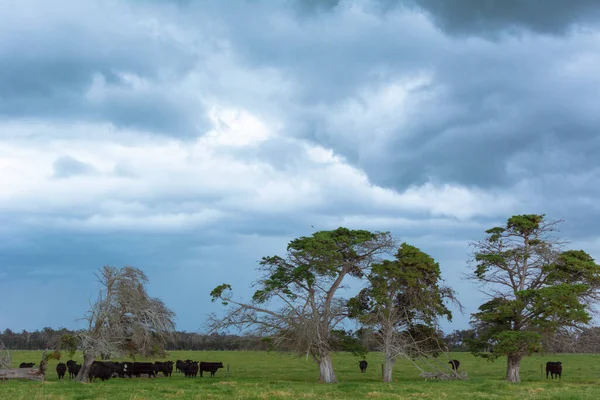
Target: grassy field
column 258, row 375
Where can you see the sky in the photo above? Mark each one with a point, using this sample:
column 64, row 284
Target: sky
column 191, row 138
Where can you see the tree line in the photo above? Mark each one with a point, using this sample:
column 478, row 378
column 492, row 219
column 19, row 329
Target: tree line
column 584, row 340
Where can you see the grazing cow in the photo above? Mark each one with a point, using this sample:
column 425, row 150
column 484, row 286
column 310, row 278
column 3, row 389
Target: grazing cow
column 363, row 365
column 211, row 367
column 143, row 368
column 554, row 369
column 61, row 368
column 76, row 368
column 127, row 368
column 100, row 370
column 179, row 366
column 116, row 368
column 454, row 364
column 71, row 368
column 190, row 369
column 158, row 366
column 26, row 365
column 167, row 368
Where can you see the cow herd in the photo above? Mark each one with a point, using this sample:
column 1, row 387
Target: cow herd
column 105, row 370
column 109, row 369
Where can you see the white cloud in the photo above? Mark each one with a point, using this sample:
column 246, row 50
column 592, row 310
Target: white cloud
column 176, row 185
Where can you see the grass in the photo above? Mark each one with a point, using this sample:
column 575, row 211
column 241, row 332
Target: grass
column 261, row 375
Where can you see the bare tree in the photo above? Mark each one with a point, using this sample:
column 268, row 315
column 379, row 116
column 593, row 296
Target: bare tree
column 5, row 357
column 124, row 320
column 296, row 300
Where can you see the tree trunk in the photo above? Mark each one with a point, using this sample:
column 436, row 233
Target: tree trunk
column 388, row 368
column 84, row 372
column 326, row 368
column 513, row 364
column 22, row 373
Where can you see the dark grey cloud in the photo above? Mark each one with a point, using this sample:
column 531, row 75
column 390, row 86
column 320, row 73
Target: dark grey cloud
column 493, row 17
column 49, row 66
column 488, row 18
column 484, row 105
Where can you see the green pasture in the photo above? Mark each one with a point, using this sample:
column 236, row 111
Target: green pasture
column 261, row 375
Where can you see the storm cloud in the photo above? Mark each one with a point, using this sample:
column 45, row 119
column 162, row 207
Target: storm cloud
column 191, row 138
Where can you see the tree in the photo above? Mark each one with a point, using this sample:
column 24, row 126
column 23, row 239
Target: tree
column 124, row 320
column 5, row 356
column 534, row 288
column 296, row 300
column 457, row 340
column 402, row 304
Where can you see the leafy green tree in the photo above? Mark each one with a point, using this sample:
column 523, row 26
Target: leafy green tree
column 296, row 302
column 534, row 289
column 402, row 304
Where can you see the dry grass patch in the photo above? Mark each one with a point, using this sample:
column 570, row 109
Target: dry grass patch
column 278, row 394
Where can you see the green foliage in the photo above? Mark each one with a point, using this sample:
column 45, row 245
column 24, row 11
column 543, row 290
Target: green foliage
column 348, row 341
column 68, row 343
column 538, row 288
column 325, row 254
column 407, row 286
column 403, row 302
column 217, row 293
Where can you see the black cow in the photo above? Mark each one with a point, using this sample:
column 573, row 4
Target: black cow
column 76, row 368
column 143, row 368
column 70, row 365
column 180, row 364
column 190, row 369
column 100, row 370
column 363, row 365
column 116, row 367
column 61, row 368
column 167, row 368
column 26, row 365
column 454, row 364
column 211, row 367
column 554, row 368
column 158, row 367
column 127, row 369
column 73, row 368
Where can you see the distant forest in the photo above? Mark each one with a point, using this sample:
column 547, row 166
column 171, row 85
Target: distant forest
column 583, row 341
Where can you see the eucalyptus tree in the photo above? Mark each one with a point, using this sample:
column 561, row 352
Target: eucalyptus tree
column 534, row 288
column 402, row 303
column 124, row 320
column 297, row 302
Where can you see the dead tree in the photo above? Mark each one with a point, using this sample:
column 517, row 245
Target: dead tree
column 5, row 357
column 124, row 320
column 35, row 374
